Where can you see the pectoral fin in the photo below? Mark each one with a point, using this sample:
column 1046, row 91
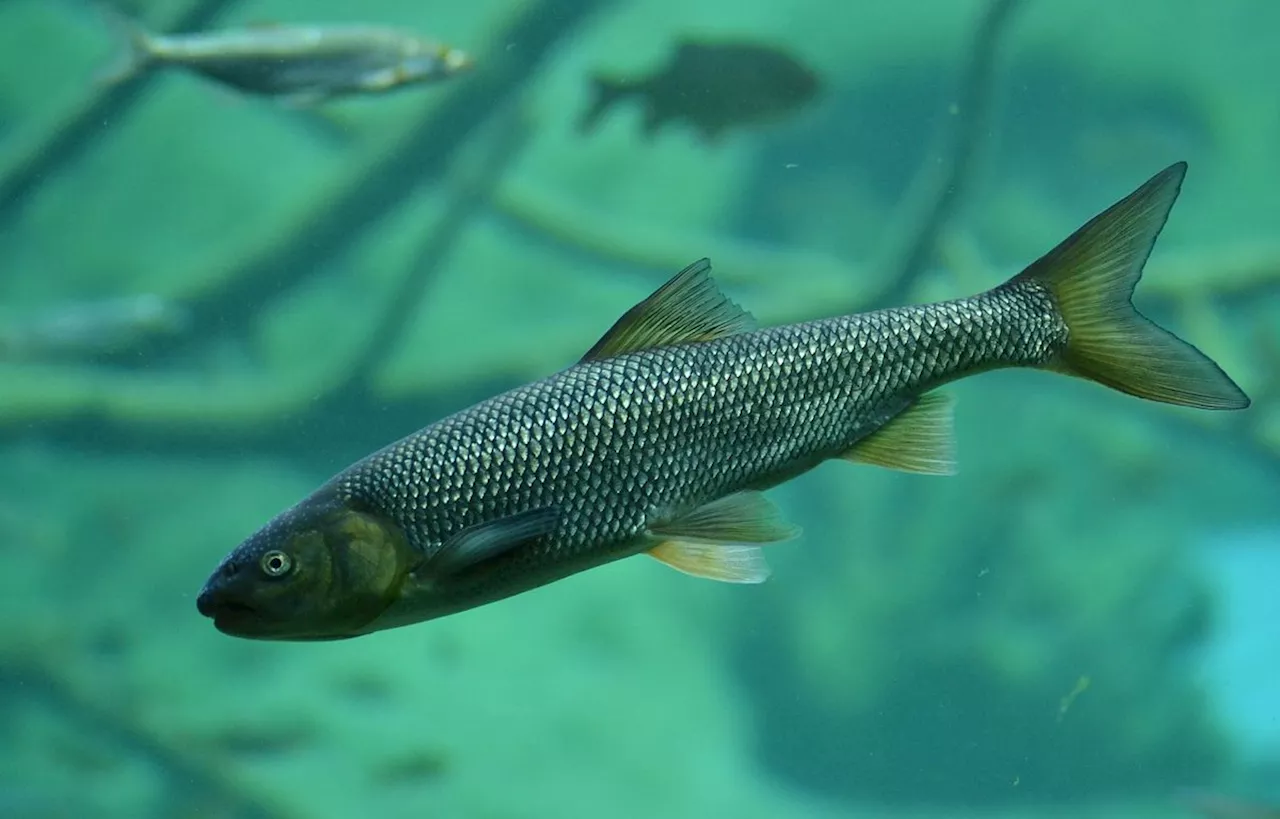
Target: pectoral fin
column 920, row 439
column 491, row 539
column 721, row 540
column 689, row 307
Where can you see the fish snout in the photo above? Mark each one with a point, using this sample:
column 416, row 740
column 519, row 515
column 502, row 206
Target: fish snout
column 207, row 602
column 458, row 60
column 219, row 593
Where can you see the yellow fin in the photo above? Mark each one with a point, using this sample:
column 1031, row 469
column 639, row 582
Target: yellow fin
column 1092, row 275
column 721, row 540
column 920, row 439
column 728, row 563
column 743, row 517
column 689, row 307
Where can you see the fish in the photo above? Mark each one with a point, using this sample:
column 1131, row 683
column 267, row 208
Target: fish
column 89, row 328
column 302, row 65
column 664, row 437
column 713, row 86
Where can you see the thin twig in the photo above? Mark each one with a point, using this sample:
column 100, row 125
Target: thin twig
column 939, row 188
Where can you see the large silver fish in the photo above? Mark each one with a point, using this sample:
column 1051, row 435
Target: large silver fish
column 663, row 437
column 300, row 64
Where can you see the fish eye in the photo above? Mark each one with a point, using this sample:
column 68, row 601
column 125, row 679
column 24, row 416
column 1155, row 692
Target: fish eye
column 275, row 563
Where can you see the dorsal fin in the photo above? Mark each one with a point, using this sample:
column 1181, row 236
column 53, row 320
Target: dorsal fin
column 689, row 307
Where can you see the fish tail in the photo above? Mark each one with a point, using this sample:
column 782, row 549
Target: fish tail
column 136, row 51
column 1091, row 277
column 606, row 92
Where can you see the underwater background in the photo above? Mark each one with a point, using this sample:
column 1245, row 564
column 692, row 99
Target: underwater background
column 211, row 302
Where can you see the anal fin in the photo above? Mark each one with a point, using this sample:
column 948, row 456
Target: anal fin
column 919, row 439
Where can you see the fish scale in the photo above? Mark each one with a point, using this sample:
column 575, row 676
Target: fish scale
column 663, row 438
column 665, row 430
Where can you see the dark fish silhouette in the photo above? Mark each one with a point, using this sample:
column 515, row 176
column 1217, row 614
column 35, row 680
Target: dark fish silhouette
column 714, row 87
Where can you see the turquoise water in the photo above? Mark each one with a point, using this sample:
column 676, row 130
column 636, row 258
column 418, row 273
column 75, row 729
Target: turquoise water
column 1241, row 668
column 211, row 302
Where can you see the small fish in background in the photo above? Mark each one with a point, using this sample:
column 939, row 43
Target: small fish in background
column 715, row 87
column 664, row 437
column 93, row 327
column 299, row 64
column 1217, row 806
column 1082, row 685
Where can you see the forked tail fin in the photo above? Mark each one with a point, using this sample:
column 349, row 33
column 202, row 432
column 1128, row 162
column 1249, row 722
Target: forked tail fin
column 605, row 92
column 136, row 52
column 1091, row 277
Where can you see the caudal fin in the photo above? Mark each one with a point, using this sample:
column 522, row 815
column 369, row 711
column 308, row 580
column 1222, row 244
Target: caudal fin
column 1092, row 276
column 136, row 51
column 605, row 93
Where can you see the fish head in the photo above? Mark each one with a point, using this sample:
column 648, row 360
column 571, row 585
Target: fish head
column 428, row 61
column 320, row 571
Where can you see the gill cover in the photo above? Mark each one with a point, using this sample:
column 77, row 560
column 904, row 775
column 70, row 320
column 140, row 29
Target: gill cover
column 322, row 571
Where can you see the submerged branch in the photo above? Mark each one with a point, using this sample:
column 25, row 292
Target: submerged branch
column 75, row 130
column 423, row 153
column 196, row 788
column 940, row 186
column 104, row 409
column 510, row 134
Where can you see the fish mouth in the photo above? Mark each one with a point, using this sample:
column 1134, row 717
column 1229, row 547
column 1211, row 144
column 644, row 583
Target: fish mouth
column 238, row 620
column 235, row 618
column 231, row 608
column 226, row 612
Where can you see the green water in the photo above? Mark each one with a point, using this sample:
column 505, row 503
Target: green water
column 1060, row 629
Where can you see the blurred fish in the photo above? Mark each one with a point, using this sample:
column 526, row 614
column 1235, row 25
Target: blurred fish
column 663, row 437
column 1082, row 685
column 92, row 327
column 300, row 64
column 1217, row 806
column 713, row 86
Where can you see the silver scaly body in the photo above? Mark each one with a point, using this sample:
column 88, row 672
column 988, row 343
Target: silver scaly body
column 620, row 445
